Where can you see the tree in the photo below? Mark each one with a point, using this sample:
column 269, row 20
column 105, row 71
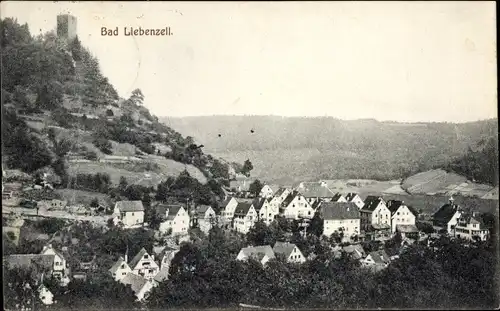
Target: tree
column 94, row 203
column 260, row 234
column 219, row 169
column 255, row 187
column 316, row 225
column 137, row 97
column 76, row 49
column 247, row 167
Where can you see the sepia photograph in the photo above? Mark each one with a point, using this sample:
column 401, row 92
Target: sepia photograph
column 240, row 155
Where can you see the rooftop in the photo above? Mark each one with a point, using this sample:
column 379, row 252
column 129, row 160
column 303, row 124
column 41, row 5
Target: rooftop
column 130, row 206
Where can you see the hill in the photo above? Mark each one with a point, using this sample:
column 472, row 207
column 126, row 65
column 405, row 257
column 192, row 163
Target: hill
column 289, row 150
column 61, row 116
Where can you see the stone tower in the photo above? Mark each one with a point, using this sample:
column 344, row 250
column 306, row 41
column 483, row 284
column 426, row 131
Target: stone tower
column 66, row 27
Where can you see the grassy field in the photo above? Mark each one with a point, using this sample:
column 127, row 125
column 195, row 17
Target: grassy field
column 167, row 168
column 83, row 197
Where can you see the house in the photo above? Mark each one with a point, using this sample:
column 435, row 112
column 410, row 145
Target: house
column 240, row 185
column 144, row 265
column 338, row 197
column 120, row 269
column 377, row 260
column 355, row 251
column 402, row 215
column 61, row 266
column 296, row 206
column 341, row 217
column 45, row 295
column 376, row 217
column 313, row 191
column 290, row 252
column 470, row 226
column 140, row 285
column 129, row 213
column 266, row 192
column 279, row 197
column 355, row 198
column 267, row 211
column 228, row 208
column 174, row 218
column 260, row 253
column 446, row 217
column 245, row 216
column 204, row 216
column 49, row 261
column 165, row 257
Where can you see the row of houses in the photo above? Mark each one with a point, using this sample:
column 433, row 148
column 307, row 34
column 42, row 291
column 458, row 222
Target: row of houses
column 377, row 260
column 175, row 219
column 49, row 263
column 373, row 218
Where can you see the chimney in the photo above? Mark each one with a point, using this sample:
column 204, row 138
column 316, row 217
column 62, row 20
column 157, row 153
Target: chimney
column 126, row 254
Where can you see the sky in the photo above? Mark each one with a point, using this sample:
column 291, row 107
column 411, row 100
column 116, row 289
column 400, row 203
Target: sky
column 401, row 61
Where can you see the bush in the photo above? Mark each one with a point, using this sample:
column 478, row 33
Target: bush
column 103, row 144
column 91, row 155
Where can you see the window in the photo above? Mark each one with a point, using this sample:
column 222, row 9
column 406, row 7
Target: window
column 123, row 273
column 123, row 266
column 146, row 256
column 397, row 213
column 132, row 214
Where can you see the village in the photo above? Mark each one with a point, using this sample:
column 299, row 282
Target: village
column 345, row 218
column 112, row 201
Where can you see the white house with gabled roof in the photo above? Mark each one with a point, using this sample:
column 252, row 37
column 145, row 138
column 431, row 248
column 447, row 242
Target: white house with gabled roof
column 266, row 192
column 174, row 217
column 290, row 251
column 296, row 206
column 129, row 213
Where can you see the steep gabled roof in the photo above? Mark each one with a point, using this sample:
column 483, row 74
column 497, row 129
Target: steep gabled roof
column 316, row 204
column 394, row 205
column 258, row 203
column 380, row 257
column 202, row 209
column 130, row 206
column 284, row 248
column 137, row 282
column 315, row 190
column 279, row 192
column 226, row 202
column 137, row 258
column 339, row 210
column 371, row 203
column 356, row 251
column 289, row 198
column 242, row 208
column 258, row 252
column 350, row 196
column 337, row 197
column 445, row 212
column 117, row 265
column 173, row 209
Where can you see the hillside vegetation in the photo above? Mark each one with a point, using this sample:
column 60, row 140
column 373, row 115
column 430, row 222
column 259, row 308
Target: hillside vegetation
column 61, row 116
column 289, row 150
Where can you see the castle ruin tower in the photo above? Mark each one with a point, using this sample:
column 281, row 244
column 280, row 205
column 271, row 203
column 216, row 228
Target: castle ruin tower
column 66, row 27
